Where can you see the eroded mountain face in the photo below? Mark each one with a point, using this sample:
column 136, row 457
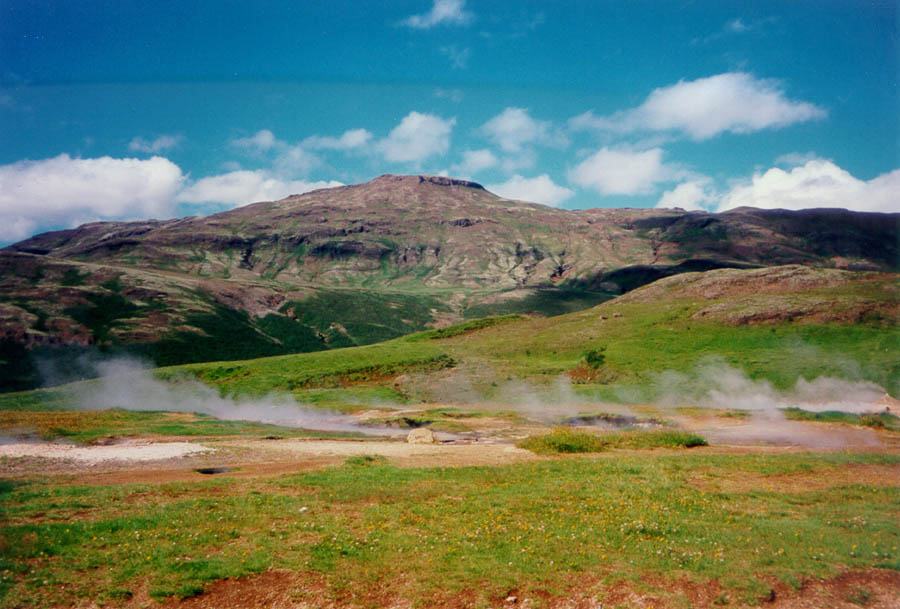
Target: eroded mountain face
column 363, row 263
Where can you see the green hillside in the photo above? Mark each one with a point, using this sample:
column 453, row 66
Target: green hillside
column 776, row 325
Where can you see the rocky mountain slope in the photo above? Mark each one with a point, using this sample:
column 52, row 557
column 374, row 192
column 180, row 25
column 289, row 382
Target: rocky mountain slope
column 358, row 264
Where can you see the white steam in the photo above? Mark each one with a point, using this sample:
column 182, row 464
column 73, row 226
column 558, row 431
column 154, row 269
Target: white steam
column 715, row 384
column 128, row 384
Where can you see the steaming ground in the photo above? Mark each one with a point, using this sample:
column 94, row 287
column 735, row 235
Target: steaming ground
column 129, row 385
column 713, row 386
column 716, row 386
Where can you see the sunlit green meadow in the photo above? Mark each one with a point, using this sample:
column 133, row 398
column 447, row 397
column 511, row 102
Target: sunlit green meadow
column 530, row 527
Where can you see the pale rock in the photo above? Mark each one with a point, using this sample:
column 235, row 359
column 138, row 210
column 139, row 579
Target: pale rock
column 421, row 435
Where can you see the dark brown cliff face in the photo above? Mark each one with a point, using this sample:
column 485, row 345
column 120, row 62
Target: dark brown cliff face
column 418, row 250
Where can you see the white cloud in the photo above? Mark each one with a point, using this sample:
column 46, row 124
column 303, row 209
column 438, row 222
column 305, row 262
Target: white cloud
column 514, row 129
column 243, row 187
column 733, row 102
column 736, row 26
column 459, row 57
column 163, row 142
column 475, row 161
column 289, row 160
column 454, row 95
column 349, row 140
column 817, row 183
column 292, row 160
column 417, row 137
column 451, row 12
column 538, row 190
column 623, row 172
column 796, row 158
column 66, row 191
column 261, row 141
column 690, row 196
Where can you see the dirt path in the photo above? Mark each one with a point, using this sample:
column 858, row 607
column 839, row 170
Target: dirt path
column 155, row 460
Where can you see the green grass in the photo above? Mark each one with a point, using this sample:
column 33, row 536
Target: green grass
column 339, row 368
column 366, row 316
column 568, row 440
column 653, row 439
column 540, row 528
column 464, row 327
column 87, row 426
column 882, row 420
column 563, row 440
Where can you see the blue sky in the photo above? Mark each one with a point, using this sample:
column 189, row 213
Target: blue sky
column 123, row 110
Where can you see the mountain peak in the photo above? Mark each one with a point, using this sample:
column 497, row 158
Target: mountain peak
column 425, row 179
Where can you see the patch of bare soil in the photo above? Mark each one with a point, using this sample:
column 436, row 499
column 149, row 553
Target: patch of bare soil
column 283, row 589
column 771, row 429
column 869, row 588
column 799, row 482
column 145, row 461
column 400, row 453
column 129, row 450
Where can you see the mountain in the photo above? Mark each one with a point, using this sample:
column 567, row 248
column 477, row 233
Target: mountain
column 359, row 264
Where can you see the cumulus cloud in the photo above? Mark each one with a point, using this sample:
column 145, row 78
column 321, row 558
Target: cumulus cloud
column 733, row 102
column 514, row 129
column 292, row 160
column 65, row 191
column 417, row 137
column 817, row 183
column 540, row 189
column 261, row 141
column 242, row 187
column 286, row 159
column 352, row 139
column 796, row 158
column 443, row 12
column 475, row 161
column 160, row 144
column 692, row 195
column 623, row 172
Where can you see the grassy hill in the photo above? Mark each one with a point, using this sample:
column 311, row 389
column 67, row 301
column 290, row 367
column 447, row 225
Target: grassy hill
column 775, row 325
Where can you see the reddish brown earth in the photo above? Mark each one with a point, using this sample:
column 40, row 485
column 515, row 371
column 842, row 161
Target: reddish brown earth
column 870, row 588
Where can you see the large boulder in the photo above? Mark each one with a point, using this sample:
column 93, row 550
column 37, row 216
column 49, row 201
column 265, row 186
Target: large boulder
column 421, row 435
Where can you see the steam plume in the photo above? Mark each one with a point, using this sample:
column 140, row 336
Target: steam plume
column 128, row 384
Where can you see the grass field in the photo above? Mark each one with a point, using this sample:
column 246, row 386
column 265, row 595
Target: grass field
column 546, row 530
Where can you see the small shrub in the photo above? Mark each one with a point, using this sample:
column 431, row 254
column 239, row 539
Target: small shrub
column 654, row 439
column 365, row 460
column 563, row 440
column 595, row 357
column 859, row 596
column 72, row 277
column 872, row 421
